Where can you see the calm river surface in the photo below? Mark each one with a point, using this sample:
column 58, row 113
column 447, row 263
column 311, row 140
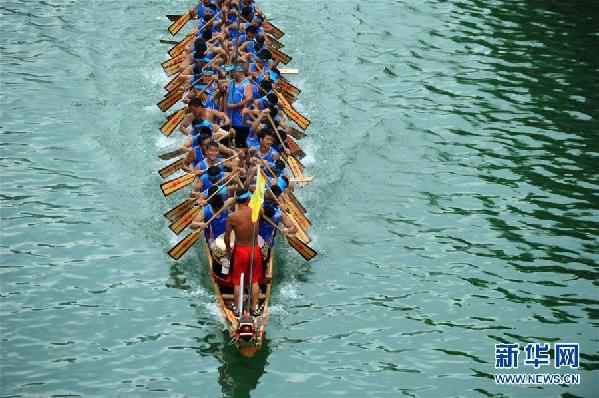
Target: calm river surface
column 455, row 147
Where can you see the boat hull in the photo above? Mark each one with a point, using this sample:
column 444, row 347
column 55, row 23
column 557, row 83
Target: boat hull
column 223, row 291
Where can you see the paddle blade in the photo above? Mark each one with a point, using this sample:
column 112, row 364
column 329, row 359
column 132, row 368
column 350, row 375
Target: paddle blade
column 292, row 113
column 172, row 122
column 297, row 169
column 303, row 249
column 177, row 211
column 168, row 102
column 295, row 133
column 286, row 85
column 302, row 181
column 273, row 30
column 179, row 58
column 171, row 154
column 179, row 24
column 301, row 233
column 274, row 42
column 180, row 46
column 176, row 184
column 295, row 202
column 172, row 17
column 295, row 149
column 182, row 247
column 179, row 225
column 171, row 168
column 284, row 58
column 298, row 216
column 172, row 84
column 171, row 42
column 173, row 69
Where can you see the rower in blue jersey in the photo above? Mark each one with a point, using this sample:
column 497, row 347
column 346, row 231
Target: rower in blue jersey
column 201, row 114
column 195, row 155
column 266, row 230
column 208, row 179
column 260, row 64
column 248, row 36
column 216, row 226
column 253, row 46
column 265, row 151
column 213, row 158
column 238, row 97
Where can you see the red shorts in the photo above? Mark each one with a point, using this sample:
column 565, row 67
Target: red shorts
column 241, row 264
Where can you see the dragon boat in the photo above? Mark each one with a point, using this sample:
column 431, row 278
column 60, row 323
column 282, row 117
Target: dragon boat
column 246, row 331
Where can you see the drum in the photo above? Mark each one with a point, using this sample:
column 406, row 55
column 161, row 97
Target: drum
column 218, row 248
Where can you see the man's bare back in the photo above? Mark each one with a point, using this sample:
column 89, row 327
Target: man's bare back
column 240, row 221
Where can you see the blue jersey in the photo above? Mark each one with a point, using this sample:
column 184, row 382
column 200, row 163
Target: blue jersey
column 267, row 231
column 199, row 155
column 269, row 156
column 206, row 183
column 204, row 165
column 216, row 227
column 236, row 95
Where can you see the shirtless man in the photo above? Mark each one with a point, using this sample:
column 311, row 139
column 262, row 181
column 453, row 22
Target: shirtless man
column 240, row 221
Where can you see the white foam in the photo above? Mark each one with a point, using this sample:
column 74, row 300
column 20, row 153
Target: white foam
column 289, row 291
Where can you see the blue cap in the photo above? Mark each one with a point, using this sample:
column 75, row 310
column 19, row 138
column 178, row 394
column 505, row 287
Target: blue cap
column 239, row 68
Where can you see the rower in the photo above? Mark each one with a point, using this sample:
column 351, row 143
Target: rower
column 246, row 249
column 265, row 150
column 239, row 95
column 213, row 157
column 267, row 231
column 195, row 154
column 206, row 180
column 216, row 226
column 198, row 112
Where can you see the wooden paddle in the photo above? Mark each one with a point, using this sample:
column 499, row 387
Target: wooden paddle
column 180, row 46
column 173, row 121
column 180, row 224
column 172, row 17
column 168, row 41
column 183, row 246
column 171, row 168
column 274, row 42
column 303, row 249
column 284, row 58
column 273, row 30
column 294, row 148
column 172, row 154
column 295, row 202
column 176, row 184
column 179, row 24
column 169, row 101
column 293, row 114
column 293, row 217
column 177, row 211
column 295, row 133
column 289, row 71
column 175, row 60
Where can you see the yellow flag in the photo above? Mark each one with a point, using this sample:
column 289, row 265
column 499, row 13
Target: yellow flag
column 258, row 196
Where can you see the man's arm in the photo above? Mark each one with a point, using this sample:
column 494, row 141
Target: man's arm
column 184, row 126
column 228, row 229
column 290, row 228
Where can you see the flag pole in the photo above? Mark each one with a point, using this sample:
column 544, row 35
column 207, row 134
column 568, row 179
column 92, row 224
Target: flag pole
column 249, row 305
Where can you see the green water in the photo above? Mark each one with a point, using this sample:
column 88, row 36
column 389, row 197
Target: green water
column 455, row 205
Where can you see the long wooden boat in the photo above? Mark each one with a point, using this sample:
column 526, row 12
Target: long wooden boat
column 246, row 332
